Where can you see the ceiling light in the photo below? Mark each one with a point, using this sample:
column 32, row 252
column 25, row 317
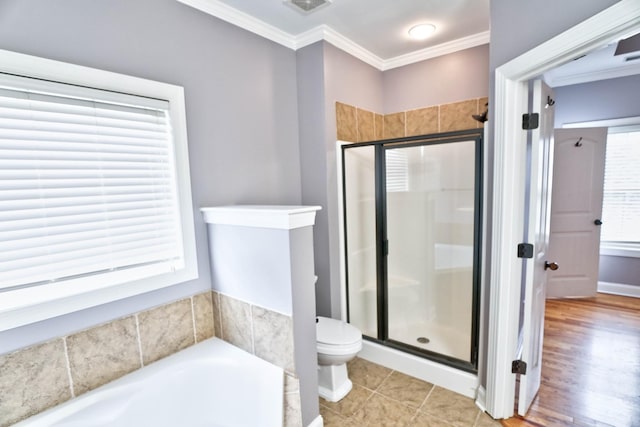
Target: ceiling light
column 421, row 31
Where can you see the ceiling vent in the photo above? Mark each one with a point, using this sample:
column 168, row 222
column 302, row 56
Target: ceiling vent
column 307, row 6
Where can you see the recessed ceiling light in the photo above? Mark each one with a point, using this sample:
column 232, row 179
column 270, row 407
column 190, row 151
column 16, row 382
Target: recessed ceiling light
column 421, row 31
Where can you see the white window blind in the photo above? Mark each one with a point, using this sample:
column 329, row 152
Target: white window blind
column 87, row 184
column 621, row 199
column 397, row 170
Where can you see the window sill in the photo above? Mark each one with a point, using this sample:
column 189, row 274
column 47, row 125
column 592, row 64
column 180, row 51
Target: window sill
column 628, row 251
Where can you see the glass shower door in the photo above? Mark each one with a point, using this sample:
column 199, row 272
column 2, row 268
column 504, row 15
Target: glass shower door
column 360, row 237
column 430, row 218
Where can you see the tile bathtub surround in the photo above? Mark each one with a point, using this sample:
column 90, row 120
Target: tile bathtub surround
column 166, row 330
column 32, row 380
column 102, row 354
column 383, row 397
column 266, row 334
column 273, row 337
column 292, row 409
column 259, row 331
column 41, row 376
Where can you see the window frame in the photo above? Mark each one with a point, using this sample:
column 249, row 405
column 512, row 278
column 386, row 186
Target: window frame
column 28, row 305
column 619, row 125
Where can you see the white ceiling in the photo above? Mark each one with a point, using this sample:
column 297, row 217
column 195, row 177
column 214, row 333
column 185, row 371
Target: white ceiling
column 601, row 64
column 375, row 31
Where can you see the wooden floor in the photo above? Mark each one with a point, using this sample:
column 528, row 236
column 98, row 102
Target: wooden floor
column 590, row 364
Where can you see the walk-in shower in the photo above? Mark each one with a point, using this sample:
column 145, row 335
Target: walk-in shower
column 412, row 223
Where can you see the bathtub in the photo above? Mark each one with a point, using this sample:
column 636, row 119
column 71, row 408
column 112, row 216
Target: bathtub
column 209, row 384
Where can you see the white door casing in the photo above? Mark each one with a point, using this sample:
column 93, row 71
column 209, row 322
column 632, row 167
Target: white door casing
column 508, row 105
column 578, row 179
column 537, row 233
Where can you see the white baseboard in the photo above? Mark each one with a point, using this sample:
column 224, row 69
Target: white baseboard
column 619, row 289
column 444, row 376
column 318, row 422
column 481, row 399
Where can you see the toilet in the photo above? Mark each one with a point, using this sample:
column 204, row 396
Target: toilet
column 337, row 343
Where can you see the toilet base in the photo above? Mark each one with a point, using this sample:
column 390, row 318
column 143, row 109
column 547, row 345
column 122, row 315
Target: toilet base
column 333, row 382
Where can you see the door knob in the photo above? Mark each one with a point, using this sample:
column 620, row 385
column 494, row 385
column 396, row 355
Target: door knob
column 597, row 222
column 553, row 266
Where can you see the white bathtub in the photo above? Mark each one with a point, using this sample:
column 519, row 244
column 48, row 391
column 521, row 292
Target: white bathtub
column 210, row 384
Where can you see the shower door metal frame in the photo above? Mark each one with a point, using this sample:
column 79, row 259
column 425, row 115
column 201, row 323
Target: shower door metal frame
column 380, row 147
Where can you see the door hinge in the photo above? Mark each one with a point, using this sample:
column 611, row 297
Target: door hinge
column 530, row 121
column 385, row 247
column 519, row 367
column 525, row 250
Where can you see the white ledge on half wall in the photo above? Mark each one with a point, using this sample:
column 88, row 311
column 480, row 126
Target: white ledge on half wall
column 263, row 216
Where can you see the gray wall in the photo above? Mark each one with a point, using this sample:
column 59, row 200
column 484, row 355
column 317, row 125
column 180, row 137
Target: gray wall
column 449, row 78
column 326, row 75
column 601, row 100
column 520, row 25
column 241, row 104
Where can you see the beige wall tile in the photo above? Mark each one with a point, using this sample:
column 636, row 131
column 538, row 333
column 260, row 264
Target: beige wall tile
column 422, row 121
column 291, row 383
column 102, row 354
column 203, row 314
column 457, row 116
column 366, row 131
column 166, row 330
column 379, row 126
column 217, row 314
column 273, row 337
column 292, row 410
column 32, row 380
column 393, row 125
column 346, row 122
column 236, row 322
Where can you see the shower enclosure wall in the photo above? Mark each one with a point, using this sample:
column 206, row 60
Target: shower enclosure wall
column 412, row 238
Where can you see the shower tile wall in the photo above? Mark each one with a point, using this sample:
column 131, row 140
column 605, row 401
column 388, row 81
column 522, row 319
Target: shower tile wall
column 355, row 124
column 41, row 376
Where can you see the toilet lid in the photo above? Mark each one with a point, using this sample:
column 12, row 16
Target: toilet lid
column 336, row 332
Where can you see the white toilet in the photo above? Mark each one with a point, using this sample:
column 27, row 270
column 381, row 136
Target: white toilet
column 337, row 343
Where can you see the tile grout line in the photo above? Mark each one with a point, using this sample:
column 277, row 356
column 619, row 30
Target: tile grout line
column 68, row 362
column 220, row 316
column 253, row 339
column 193, row 320
column 139, row 340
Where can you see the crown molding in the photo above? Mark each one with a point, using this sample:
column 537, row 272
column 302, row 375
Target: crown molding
column 439, row 50
column 592, row 76
column 343, row 43
column 324, row 32
column 240, row 19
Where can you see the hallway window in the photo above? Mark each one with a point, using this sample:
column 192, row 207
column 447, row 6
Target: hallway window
column 621, row 200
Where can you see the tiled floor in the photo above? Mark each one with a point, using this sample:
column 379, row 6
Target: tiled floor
column 383, row 397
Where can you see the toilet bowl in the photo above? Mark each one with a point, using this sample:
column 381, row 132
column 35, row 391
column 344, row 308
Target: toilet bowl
column 337, row 343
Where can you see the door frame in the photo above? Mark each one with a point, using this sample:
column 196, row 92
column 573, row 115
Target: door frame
column 509, row 143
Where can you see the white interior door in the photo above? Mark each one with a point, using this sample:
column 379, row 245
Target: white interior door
column 537, row 233
column 576, row 209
